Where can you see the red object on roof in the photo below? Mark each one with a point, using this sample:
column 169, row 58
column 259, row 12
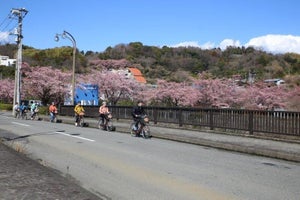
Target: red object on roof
column 137, row 75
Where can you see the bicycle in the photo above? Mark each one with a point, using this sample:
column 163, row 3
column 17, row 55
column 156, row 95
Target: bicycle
column 53, row 117
column 80, row 120
column 35, row 115
column 17, row 114
column 108, row 123
column 24, row 114
column 143, row 129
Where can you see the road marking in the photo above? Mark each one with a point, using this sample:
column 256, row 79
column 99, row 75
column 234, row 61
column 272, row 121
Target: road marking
column 5, row 117
column 21, row 124
column 82, row 138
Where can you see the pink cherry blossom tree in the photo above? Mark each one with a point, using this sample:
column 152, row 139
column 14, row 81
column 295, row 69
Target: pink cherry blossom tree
column 7, row 90
column 263, row 97
column 175, row 94
column 257, row 96
column 113, row 85
column 214, row 92
column 49, row 84
column 293, row 99
column 45, row 83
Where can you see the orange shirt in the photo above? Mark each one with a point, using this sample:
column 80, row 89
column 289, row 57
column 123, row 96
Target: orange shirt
column 52, row 108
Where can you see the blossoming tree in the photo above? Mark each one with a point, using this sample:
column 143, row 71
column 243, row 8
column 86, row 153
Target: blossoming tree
column 112, row 85
column 45, row 83
column 7, row 90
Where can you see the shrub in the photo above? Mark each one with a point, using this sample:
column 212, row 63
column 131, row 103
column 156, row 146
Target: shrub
column 4, row 106
column 43, row 110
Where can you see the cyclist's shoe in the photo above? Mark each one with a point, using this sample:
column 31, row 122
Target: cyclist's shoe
column 137, row 135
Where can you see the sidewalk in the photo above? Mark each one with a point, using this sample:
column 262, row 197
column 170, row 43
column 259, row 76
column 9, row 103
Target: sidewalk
column 280, row 149
column 23, row 178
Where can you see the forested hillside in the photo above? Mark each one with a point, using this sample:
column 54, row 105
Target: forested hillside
column 171, row 64
column 178, row 64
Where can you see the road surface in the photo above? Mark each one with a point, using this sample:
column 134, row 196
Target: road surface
column 117, row 166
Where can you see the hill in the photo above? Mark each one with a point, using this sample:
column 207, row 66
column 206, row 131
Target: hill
column 172, row 64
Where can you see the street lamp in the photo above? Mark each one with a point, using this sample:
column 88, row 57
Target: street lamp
column 67, row 35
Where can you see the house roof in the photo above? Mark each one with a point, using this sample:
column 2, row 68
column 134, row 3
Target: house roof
column 137, row 75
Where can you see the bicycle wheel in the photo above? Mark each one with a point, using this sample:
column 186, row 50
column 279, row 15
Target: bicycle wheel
column 146, row 132
column 132, row 129
column 81, row 122
column 54, row 119
column 24, row 115
column 99, row 124
column 17, row 115
column 109, row 126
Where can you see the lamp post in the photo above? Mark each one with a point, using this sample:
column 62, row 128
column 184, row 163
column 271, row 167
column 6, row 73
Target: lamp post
column 67, row 35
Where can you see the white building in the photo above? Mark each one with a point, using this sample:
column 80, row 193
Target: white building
column 6, row 61
column 276, row 81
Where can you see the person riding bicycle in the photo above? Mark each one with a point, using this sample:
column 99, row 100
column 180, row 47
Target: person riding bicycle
column 52, row 111
column 33, row 109
column 137, row 112
column 16, row 109
column 23, row 108
column 79, row 110
column 103, row 111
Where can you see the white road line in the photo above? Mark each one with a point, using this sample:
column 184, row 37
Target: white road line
column 82, row 138
column 20, row 124
column 5, row 117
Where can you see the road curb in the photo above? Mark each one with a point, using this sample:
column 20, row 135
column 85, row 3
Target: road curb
column 253, row 150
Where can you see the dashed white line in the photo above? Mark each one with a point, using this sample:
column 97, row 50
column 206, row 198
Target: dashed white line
column 21, row 124
column 75, row 136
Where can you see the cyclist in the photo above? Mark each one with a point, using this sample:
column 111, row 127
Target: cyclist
column 52, row 111
column 137, row 112
column 17, row 109
column 33, row 109
column 23, row 109
column 103, row 111
column 78, row 111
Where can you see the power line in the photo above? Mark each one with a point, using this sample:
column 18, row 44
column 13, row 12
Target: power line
column 6, row 22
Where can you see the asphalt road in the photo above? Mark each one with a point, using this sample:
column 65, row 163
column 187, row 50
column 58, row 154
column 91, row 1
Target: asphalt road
column 116, row 166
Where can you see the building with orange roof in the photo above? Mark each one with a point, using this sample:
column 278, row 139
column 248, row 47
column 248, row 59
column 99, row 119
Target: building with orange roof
column 136, row 74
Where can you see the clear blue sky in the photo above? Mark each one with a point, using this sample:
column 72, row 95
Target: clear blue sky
column 98, row 24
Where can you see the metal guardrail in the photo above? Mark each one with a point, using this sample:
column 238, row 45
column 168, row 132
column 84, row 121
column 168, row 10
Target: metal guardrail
column 275, row 122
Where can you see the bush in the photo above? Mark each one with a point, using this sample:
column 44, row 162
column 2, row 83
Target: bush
column 43, row 110
column 4, row 106
column 125, row 103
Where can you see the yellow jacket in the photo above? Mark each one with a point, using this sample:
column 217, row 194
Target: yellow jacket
column 78, row 109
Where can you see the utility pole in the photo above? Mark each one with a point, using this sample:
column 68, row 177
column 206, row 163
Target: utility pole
column 20, row 14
